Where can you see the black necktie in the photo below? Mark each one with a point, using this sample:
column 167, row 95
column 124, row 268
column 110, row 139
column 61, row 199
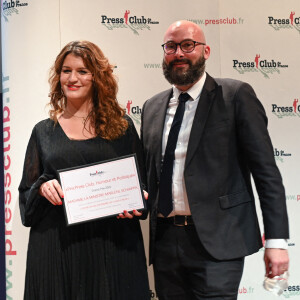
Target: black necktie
column 165, row 203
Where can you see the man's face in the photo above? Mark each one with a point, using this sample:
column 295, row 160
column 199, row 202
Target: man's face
column 189, row 73
column 181, row 68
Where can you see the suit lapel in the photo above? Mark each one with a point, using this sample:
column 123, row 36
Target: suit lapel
column 205, row 102
column 158, row 126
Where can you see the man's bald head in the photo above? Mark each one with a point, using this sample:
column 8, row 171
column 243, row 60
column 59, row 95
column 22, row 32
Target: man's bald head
column 189, row 28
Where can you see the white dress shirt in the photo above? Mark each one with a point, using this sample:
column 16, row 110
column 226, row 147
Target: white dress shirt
column 180, row 201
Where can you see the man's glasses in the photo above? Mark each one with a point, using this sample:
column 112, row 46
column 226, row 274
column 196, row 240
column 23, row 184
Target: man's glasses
column 185, row 46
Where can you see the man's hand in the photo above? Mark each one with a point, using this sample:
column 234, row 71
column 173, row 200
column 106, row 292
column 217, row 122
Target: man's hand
column 276, row 261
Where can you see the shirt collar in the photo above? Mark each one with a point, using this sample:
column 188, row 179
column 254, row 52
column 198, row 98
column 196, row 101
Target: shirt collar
column 193, row 91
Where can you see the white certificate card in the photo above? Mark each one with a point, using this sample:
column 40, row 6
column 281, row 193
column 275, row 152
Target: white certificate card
column 101, row 190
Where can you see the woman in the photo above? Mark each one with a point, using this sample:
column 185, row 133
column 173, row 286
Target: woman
column 102, row 259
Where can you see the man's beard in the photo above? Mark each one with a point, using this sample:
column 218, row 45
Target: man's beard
column 179, row 77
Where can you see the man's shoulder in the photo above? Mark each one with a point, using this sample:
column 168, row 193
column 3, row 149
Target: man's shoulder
column 229, row 82
column 232, row 87
column 161, row 95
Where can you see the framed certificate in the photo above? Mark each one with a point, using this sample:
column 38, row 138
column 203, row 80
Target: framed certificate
column 101, row 190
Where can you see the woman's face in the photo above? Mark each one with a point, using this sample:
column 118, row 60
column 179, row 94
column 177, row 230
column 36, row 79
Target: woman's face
column 76, row 80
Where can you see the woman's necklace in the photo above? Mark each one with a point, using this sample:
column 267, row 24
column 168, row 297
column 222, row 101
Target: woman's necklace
column 83, row 119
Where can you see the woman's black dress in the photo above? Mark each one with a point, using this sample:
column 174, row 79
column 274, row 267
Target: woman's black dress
column 102, row 259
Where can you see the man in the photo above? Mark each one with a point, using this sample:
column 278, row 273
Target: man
column 199, row 152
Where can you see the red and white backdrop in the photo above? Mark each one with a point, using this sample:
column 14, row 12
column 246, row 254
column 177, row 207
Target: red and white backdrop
column 254, row 41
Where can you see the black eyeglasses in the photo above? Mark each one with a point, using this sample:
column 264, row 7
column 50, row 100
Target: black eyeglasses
column 186, row 46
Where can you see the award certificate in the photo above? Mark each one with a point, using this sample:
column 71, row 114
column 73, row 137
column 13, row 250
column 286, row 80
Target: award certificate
column 101, row 190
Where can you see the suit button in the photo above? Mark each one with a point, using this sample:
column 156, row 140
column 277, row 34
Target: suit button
column 157, row 182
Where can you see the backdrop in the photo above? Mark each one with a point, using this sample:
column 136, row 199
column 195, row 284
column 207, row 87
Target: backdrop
column 255, row 41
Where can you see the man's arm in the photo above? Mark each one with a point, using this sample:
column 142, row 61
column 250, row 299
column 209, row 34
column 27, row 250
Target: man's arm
column 258, row 150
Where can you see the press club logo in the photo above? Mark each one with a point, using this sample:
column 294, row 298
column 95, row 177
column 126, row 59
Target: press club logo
column 10, row 7
column 280, row 155
column 134, row 112
column 264, row 66
column 245, row 290
column 293, row 197
column 97, row 173
column 292, row 290
column 291, row 21
column 129, row 21
column 287, row 111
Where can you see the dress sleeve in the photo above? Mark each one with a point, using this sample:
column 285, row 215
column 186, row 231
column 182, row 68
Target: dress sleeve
column 32, row 205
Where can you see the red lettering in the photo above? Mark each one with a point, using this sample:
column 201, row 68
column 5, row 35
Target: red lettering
column 7, row 215
column 5, row 149
column 8, row 232
column 6, row 130
column 7, row 180
column 6, row 166
column 8, row 248
column 6, row 118
column 7, row 197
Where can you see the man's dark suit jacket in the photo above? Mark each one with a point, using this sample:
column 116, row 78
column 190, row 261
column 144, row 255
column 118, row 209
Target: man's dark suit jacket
column 229, row 141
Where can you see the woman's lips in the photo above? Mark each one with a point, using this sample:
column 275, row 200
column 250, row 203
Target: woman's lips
column 73, row 87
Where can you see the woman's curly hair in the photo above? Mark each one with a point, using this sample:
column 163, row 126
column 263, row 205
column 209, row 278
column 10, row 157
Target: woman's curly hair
column 107, row 115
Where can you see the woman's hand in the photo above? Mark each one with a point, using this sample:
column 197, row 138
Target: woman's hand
column 145, row 195
column 52, row 191
column 127, row 215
